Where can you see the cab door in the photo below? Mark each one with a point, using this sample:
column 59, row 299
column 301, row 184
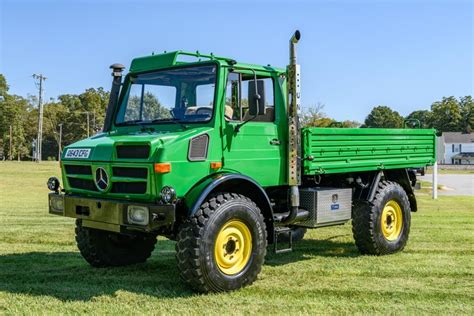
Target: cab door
column 254, row 145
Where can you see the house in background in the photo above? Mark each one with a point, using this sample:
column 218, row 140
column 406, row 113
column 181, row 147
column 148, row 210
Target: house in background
column 455, row 148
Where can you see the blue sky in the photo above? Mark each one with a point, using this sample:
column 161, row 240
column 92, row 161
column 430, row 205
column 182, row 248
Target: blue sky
column 354, row 54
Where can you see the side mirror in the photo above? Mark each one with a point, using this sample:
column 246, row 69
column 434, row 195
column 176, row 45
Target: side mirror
column 256, row 98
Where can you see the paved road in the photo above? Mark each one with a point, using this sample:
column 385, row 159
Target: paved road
column 459, row 184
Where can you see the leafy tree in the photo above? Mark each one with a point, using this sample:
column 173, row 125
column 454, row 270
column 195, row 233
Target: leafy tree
column 423, row 116
column 13, row 112
column 152, row 108
column 383, row 117
column 467, row 109
column 3, row 86
column 345, row 124
column 315, row 117
column 447, row 115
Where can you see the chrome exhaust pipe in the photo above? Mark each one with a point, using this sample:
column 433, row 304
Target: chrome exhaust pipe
column 294, row 40
column 294, row 176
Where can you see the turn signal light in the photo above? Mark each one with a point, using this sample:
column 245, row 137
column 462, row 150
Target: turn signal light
column 216, row 165
column 162, row 167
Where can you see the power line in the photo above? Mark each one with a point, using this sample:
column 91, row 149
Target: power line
column 39, row 85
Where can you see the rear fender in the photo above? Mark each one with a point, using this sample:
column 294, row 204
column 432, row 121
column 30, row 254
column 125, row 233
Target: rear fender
column 402, row 177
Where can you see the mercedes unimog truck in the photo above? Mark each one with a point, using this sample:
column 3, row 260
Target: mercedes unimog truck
column 209, row 152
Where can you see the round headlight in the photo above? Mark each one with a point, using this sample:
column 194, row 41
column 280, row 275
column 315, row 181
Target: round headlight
column 53, row 184
column 168, row 194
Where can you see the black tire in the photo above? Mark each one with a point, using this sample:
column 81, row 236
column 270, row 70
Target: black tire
column 367, row 221
column 197, row 236
column 106, row 249
column 297, row 234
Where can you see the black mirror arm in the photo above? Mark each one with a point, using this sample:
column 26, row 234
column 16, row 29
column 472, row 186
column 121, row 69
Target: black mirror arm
column 238, row 126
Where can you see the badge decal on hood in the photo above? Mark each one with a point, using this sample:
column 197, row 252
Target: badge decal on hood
column 77, row 153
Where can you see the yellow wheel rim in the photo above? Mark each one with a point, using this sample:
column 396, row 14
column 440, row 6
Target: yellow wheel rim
column 392, row 220
column 233, row 247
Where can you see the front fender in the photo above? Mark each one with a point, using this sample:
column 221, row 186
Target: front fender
column 197, row 195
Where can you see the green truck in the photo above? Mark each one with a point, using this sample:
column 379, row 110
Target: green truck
column 208, row 152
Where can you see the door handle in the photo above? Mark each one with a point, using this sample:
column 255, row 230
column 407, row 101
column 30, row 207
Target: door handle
column 275, row 142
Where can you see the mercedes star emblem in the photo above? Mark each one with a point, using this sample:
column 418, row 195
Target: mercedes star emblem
column 101, row 179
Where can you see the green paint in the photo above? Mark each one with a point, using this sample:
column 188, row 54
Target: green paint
column 340, row 150
column 248, row 152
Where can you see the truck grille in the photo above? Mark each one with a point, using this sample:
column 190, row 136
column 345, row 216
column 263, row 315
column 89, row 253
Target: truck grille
column 127, row 172
column 129, row 187
column 133, row 151
column 82, row 184
column 82, row 177
column 77, row 169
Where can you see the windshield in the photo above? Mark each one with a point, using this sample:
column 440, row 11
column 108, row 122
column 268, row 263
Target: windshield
column 176, row 95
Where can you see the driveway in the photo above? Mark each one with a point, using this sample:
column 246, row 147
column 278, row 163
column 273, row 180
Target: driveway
column 457, row 184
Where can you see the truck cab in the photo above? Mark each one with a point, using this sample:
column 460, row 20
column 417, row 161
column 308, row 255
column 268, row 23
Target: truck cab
column 208, row 151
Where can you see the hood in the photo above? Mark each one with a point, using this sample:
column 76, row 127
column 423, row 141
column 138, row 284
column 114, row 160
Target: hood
column 117, row 145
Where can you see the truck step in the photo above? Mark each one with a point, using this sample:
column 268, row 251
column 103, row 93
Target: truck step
column 278, row 231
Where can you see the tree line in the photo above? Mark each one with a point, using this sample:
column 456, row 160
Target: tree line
column 448, row 115
column 80, row 115
column 83, row 114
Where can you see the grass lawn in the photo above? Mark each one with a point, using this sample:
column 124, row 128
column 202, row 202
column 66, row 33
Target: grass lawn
column 41, row 270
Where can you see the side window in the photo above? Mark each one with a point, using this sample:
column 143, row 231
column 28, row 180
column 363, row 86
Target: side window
column 232, row 109
column 237, row 98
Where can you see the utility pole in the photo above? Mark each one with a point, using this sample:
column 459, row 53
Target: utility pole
column 60, row 141
column 88, row 128
column 94, row 127
column 435, row 174
column 39, row 148
column 87, row 113
column 11, row 144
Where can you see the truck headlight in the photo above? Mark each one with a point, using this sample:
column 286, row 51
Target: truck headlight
column 53, row 184
column 168, row 194
column 56, row 203
column 138, row 215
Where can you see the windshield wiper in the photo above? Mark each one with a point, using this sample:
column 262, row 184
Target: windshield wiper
column 170, row 120
column 131, row 122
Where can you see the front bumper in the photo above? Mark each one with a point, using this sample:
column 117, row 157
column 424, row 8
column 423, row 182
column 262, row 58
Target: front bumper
column 109, row 215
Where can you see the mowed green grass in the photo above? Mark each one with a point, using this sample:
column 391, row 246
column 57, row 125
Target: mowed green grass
column 41, row 270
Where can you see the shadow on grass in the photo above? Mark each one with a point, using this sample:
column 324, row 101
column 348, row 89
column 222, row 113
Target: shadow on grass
column 310, row 248
column 66, row 276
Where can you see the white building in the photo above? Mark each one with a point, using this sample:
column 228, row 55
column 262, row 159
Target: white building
column 456, row 148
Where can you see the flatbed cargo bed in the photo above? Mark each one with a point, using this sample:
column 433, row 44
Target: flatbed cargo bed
column 342, row 150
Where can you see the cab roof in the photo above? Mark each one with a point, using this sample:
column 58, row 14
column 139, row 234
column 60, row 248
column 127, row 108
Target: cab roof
column 177, row 58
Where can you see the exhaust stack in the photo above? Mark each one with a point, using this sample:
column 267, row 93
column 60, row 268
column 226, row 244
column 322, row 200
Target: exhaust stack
column 294, row 162
column 117, row 70
column 294, row 40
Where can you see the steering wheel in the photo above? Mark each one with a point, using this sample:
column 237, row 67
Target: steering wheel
column 206, row 110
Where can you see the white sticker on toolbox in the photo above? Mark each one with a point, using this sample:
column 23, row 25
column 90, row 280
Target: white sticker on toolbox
column 77, row 153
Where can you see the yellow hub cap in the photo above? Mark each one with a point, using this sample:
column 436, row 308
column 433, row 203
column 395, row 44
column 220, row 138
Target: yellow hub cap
column 392, row 220
column 233, row 247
